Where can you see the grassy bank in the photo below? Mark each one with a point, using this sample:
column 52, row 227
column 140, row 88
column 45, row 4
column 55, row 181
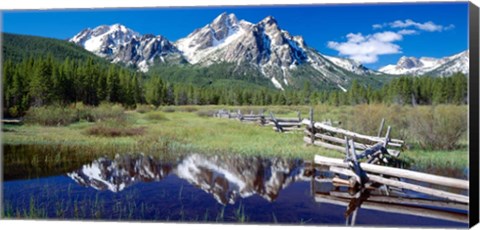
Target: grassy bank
column 185, row 129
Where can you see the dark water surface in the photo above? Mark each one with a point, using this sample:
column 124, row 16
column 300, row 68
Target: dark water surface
column 199, row 188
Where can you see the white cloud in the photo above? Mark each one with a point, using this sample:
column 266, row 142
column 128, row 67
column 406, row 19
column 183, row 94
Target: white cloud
column 449, row 27
column 426, row 26
column 377, row 26
column 367, row 48
column 407, row 32
column 387, row 36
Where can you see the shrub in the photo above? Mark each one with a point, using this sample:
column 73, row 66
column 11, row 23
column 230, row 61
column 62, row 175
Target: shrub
column 157, row 116
column 439, row 127
column 58, row 115
column 144, row 108
column 206, row 113
column 106, row 111
column 14, row 111
column 169, row 109
column 114, row 128
column 365, row 119
column 51, row 115
column 187, row 109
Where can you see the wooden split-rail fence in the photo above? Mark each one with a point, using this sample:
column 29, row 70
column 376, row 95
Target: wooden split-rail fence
column 365, row 175
column 374, row 148
column 366, row 156
column 280, row 124
column 366, row 160
column 385, row 191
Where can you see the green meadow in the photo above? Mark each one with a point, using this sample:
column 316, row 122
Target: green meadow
column 436, row 136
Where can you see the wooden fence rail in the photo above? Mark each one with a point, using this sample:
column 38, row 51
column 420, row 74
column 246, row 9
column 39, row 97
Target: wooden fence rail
column 375, row 174
column 396, row 207
column 280, row 124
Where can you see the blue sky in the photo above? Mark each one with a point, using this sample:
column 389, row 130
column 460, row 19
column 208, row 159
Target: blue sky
column 375, row 35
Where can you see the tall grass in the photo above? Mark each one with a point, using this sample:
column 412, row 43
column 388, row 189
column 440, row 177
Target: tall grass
column 156, row 116
column 51, row 115
column 439, row 127
column 59, row 115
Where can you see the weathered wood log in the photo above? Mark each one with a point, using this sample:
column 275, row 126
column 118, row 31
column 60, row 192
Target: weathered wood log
column 340, row 141
column 421, row 189
column 406, row 201
column 12, row 121
column 323, row 180
column 358, row 146
column 288, row 120
column 393, row 208
column 338, row 181
column 379, row 147
column 287, row 123
column 346, row 172
column 289, row 128
column 404, row 185
column 350, row 134
column 252, row 116
column 402, row 173
column 325, row 145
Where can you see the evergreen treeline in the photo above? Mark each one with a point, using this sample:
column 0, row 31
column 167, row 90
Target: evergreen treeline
column 45, row 80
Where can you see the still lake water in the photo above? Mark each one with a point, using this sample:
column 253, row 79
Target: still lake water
column 197, row 188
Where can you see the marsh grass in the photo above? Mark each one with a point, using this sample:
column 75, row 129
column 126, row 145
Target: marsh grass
column 156, row 116
column 144, row 108
column 114, row 128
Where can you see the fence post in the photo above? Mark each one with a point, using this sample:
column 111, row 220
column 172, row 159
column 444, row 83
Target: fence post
column 347, row 149
column 239, row 115
column 312, row 127
column 381, row 127
column 279, row 128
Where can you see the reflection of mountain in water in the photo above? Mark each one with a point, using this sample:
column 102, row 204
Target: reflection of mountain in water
column 116, row 174
column 225, row 177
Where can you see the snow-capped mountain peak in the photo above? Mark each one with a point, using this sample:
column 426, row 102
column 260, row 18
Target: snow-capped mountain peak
column 430, row 66
column 120, row 44
column 201, row 42
column 105, row 39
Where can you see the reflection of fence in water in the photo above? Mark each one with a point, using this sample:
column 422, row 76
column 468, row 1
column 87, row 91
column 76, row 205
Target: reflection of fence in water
column 330, row 187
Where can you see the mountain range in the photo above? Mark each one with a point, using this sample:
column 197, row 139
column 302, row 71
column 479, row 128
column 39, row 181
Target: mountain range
column 445, row 66
column 264, row 47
